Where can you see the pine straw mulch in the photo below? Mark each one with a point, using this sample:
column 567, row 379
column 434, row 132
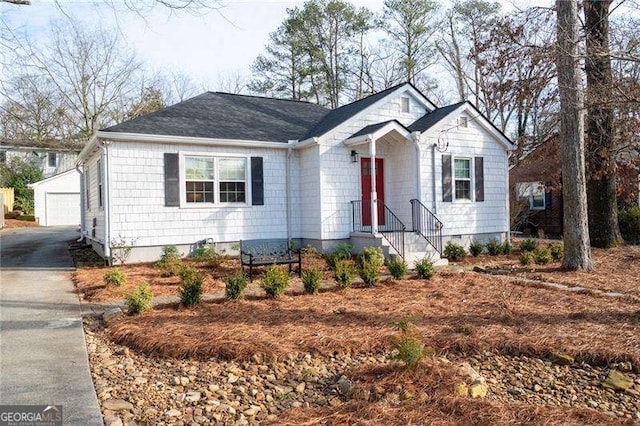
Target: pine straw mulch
column 463, row 312
column 89, row 280
column 616, row 269
column 15, row 223
column 432, row 403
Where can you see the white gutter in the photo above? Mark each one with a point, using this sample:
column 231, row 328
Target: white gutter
column 89, row 146
column 416, row 139
column 307, row 142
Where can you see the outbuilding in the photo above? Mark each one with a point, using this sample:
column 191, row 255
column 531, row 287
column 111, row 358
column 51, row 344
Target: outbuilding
column 57, row 199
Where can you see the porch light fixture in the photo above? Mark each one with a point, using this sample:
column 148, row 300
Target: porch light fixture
column 354, row 156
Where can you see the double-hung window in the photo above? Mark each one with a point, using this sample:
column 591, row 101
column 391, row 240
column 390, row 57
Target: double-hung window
column 534, row 192
column 462, row 178
column 52, row 159
column 199, row 179
column 215, row 180
column 232, row 176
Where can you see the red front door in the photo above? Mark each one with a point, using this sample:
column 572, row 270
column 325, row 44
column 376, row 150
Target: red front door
column 365, row 173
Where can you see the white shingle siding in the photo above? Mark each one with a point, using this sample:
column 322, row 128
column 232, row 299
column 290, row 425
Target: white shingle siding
column 137, row 204
column 465, row 217
column 95, row 211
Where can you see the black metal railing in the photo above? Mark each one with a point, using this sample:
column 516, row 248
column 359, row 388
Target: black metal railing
column 391, row 228
column 426, row 224
column 393, row 231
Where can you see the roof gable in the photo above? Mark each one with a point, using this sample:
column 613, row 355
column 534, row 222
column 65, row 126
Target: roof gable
column 219, row 115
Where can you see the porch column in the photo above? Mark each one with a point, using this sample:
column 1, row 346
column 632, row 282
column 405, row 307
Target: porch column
column 374, row 193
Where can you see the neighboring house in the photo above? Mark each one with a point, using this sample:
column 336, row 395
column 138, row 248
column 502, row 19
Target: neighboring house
column 52, row 157
column 57, row 199
column 536, row 188
column 223, row 168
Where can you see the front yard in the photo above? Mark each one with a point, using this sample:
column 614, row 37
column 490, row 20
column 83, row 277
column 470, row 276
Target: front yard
column 542, row 353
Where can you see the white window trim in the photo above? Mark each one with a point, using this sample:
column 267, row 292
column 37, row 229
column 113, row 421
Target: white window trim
column 472, row 185
column 216, row 181
column 100, row 183
column 402, row 101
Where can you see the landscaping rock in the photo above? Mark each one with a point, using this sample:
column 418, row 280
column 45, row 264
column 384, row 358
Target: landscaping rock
column 112, row 313
column 617, row 381
column 192, row 396
column 478, row 390
column 563, row 359
column 173, row 413
column 344, row 385
column 462, row 390
column 117, row 405
column 112, row 421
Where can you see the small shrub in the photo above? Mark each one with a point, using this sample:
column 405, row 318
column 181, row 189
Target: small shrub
column 234, row 286
column 494, row 247
column 411, row 351
column 343, row 250
column 528, row 245
column 527, row 258
column 190, row 287
column 425, row 269
column 397, row 267
column 139, row 300
column 114, row 277
column 370, row 274
column 373, row 256
column 170, row 262
column 343, row 273
column 454, row 252
column 311, row 280
column 475, row 248
column 542, row 255
column 275, row 281
column 629, row 221
column 506, row 248
column 557, row 251
column 208, row 254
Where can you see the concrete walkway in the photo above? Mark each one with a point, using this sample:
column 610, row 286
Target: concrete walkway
column 43, row 357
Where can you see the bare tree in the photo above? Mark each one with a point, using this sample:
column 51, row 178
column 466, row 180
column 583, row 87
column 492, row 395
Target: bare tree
column 90, row 69
column 577, row 254
column 231, row 82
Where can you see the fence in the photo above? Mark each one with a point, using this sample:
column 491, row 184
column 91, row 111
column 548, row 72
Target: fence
column 8, row 197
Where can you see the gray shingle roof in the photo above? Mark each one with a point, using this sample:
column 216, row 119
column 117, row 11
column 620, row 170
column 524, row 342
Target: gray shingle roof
column 373, row 127
column 50, row 144
column 229, row 116
column 430, row 119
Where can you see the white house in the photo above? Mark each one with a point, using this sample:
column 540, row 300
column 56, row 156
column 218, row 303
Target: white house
column 52, row 157
column 224, row 168
column 57, row 199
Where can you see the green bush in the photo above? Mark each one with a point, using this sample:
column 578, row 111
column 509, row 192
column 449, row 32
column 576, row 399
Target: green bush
column 275, row 281
column 557, row 250
column 343, row 250
column 397, row 267
column 370, row 274
column 425, row 269
column 411, row 351
column 18, row 173
column 506, row 248
column 629, row 222
column 527, row 258
column 139, row 300
column 234, row 286
column 311, row 279
column 170, row 262
column 542, row 255
column 528, row 245
column 343, row 273
column 190, row 286
column 494, row 247
column 114, row 277
column 208, row 254
column 372, row 256
column 454, row 252
column 475, row 248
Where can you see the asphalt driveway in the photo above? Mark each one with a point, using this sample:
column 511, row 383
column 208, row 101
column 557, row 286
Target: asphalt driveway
column 43, row 358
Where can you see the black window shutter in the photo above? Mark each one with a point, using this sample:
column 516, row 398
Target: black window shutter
column 446, row 179
column 548, row 196
column 257, row 182
column 171, row 180
column 479, row 166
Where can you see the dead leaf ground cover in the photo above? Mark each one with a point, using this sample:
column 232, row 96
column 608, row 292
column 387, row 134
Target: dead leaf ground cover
column 16, row 223
column 432, row 403
column 464, row 312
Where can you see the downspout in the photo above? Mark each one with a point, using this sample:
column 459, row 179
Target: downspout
column 288, row 189
column 434, row 204
column 83, row 204
column 416, row 140
column 105, row 198
column 508, row 192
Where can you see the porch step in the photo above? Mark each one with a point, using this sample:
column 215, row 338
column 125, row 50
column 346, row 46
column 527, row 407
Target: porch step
column 417, row 248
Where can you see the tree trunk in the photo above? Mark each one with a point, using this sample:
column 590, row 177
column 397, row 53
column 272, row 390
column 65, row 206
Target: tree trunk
column 601, row 165
column 577, row 253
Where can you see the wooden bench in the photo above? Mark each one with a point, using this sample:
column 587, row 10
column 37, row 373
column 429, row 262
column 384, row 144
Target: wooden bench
column 269, row 252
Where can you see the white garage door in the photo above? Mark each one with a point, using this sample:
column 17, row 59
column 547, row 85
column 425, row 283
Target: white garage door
column 62, row 209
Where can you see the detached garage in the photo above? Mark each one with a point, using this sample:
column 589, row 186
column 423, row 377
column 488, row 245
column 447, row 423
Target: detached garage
column 57, row 199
